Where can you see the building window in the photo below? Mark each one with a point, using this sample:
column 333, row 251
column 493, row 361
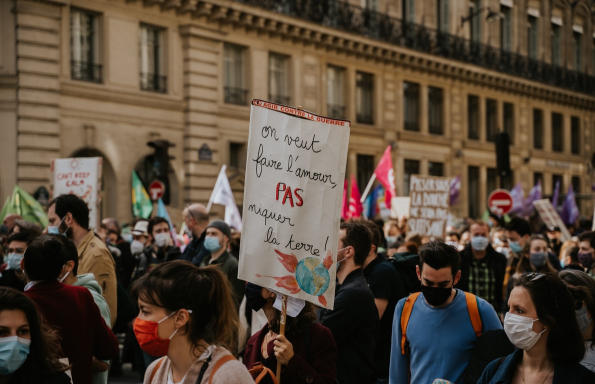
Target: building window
column 532, row 36
column 491, row 119
column 84, row 63
column 237, row 155
column 408, row 10
column 475, row 23
column 556, row 32
column 411, row 106
column 411, row 168
column 151, row 59
column 233, row 74
column 508, row 181
column 335, row 104
column 505, row 28
column 279, row 78
column 365, row 170
column 577, row 42
column 473, row 117
column 364, row 98
column 443, row 12
column 555, row 180
column 473, row 191
column 435, row 169
column 557, row 132
column 575, row 135
column 492, row 182
column 496, row 181
column 509, row 121
column 537, row 129
column 576, row 187
column 538, row 178
column 435, row 110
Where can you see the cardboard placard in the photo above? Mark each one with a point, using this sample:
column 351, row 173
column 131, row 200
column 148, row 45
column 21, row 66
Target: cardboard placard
column 400, row 206
column 550, row 217
column 429, row 209
column 292, row 201
column 80, row 176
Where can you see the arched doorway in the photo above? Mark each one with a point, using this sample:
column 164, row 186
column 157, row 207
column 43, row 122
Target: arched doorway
column 108, row 192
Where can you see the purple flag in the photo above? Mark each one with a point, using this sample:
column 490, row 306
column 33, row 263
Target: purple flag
column 555, row 195
column 534, row 195
column 569, row 213
column 455, row 190
column 517, row 194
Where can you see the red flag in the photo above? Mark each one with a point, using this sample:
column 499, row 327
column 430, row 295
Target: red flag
column 345, row 203
column 355, row 205
column 385, row 174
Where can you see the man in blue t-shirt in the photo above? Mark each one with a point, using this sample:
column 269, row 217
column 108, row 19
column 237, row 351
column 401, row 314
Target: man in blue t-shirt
column 439, row 332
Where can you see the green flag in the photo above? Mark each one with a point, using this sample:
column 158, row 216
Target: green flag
column 23, row 204
column 141, row 203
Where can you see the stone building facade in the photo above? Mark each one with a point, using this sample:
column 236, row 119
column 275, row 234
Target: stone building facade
column 435, row 78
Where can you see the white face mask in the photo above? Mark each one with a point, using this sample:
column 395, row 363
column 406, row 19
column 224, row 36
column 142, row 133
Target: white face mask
column 519, row 330
column 136, row 247
column 161, row 239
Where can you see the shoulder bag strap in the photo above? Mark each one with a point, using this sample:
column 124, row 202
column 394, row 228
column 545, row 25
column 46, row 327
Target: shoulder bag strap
column 473, row 309
column 218, row 365
column 155, row 369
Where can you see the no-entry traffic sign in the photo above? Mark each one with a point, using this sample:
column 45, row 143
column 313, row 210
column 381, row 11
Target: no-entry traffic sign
column 156, row 190
column 500, row 202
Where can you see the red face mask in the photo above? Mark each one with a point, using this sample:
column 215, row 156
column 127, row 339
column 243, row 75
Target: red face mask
column 148, row 338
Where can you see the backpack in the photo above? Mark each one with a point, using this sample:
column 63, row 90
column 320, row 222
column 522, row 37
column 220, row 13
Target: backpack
column 405, row 264
column 472, row 308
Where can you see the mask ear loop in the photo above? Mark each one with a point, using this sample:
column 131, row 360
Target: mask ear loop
column 170, row 315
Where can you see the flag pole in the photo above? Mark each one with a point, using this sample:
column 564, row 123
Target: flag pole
column 367, row 190
column 282, row 331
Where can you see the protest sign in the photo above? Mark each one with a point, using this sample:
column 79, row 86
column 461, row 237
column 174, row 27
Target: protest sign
column 429, row 205
column 80, row 176
column 292, row 201
column 550, row 217
column 400, row 207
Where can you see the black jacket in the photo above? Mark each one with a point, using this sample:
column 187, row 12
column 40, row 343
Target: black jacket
column 497, row 263
column 354, row 324
column 405, row 263
column 195, row 252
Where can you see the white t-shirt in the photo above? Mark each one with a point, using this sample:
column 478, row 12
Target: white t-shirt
column 589, row 359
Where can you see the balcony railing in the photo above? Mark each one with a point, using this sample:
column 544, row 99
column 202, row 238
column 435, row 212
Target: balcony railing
column 365, row 22
column 82, row 70
column 279, row 99
column 335, row 111
column 153, row 82
column 235, row 95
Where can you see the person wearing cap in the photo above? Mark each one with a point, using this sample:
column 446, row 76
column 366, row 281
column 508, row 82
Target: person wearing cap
column 553, row 235
column 140, row 240
column 217, row 239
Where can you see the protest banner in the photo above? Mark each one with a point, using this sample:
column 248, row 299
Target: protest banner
column 293, row 190
column 80, row 176
column 550, row 217
column 430, row 197
column 400, row 206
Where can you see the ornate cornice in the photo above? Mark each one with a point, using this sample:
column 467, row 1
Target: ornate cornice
column 40, row 7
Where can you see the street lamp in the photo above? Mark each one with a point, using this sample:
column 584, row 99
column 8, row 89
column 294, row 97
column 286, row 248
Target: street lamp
column 492, row 15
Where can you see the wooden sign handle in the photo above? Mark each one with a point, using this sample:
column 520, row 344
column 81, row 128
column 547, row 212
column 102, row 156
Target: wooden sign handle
column 282, row 331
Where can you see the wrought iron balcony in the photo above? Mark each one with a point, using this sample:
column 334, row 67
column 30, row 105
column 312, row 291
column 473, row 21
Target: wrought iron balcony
column 82, row 70
column 365, row 22
column 153, row 82
column 235, row 95
column 279, row 99
column 335, row 111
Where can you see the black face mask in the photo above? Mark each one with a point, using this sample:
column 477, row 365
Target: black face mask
column 436, row 296
column 254, row 297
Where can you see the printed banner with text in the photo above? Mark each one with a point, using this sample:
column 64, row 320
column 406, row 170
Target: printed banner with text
column 292, row 201
column 429, row 205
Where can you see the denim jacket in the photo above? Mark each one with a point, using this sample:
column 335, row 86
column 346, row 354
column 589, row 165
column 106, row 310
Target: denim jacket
column 502, row 372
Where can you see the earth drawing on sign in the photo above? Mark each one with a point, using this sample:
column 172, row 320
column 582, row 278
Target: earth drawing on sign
column 310, row 275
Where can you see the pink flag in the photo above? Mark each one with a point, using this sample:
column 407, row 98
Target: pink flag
column 345, row 203
column 355, row 205
column 385, row 174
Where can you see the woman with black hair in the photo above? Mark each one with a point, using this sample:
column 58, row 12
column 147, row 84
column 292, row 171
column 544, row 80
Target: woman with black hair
column 307, row 352
column 187, row 314
column 582, row 287
column 28, row 346
column 542, row 324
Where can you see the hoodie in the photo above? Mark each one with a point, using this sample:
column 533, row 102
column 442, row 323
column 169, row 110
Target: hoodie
column 88, row 281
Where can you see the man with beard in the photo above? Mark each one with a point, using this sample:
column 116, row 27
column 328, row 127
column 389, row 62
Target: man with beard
column 68, row 215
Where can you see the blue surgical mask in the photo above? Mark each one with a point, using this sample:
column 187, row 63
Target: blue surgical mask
column 55, row 229
column 13, row 353
column 583, row 319
column 538, row 259
column 391, row 239
column 515, row 246
column 14, row 261
column 480, row 243
column 212, row 244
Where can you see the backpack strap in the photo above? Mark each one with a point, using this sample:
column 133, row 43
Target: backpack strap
column 155, row 369
column 474, row 315
column 405, row 315
column 218, row 365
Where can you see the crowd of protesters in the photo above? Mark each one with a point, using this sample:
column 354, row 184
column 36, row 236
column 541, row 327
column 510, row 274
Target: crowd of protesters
column 491, row 302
